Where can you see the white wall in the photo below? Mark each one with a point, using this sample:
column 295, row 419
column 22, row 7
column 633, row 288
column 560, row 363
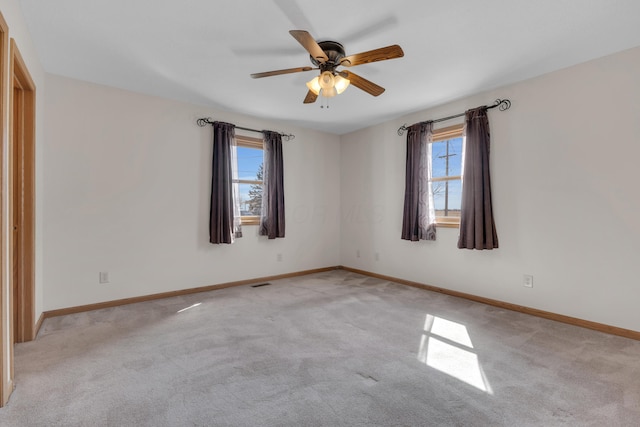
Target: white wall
column 128, row 184
column 565, row 178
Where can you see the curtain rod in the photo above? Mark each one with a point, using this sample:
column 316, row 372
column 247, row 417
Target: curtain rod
column 502, row 104
column 207, row 121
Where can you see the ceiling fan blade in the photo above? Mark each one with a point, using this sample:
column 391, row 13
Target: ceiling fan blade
column 381, row 54
column 278, row 72
column 305, row 39
column 362, row 83
column 310, row 98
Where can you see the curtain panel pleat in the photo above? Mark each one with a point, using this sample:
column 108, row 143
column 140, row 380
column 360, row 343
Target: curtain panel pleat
column 272, row 221
column 477, row 225
column 418, row 218
column 224, row 218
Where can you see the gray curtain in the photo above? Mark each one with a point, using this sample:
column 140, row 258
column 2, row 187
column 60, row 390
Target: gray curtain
column 418, row 218
column 477, row 226
column 224, row 224
column 272, row 217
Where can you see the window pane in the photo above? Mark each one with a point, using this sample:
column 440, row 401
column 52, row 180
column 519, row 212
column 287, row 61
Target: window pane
column 446, row 197
column 446, row 158
column 249, row 163
column 250, row 199
column 250, row 168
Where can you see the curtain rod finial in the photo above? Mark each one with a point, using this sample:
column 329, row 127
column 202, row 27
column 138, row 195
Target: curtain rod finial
column 204, row 121
column 502, row 104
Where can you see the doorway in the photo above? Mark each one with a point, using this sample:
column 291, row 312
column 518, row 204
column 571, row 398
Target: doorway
column 17, row 207
column 22, row 197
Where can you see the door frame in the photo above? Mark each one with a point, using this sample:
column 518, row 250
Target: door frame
column 22, row 131
column 17, row 206
column 6, row 328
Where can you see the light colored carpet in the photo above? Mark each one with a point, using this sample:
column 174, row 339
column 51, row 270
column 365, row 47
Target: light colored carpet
column 328, row 349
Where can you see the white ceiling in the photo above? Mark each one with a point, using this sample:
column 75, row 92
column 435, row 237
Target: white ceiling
column 202, row 51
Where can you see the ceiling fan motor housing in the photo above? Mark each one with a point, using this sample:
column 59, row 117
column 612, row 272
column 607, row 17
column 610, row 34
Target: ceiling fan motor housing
column 335, row 53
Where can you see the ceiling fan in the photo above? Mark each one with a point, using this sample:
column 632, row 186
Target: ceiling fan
column 327, row 56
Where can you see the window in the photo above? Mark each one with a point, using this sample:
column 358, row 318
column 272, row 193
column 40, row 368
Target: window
column 446, row 174
column 250, row 169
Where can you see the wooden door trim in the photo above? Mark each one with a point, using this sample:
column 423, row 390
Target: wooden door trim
column 22, row 155
column 6, row 328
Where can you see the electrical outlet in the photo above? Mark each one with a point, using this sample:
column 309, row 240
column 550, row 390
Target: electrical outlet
column 358, row 253
column 279, row 257
column 527, row 281
column 377, row 256
column 103, row 277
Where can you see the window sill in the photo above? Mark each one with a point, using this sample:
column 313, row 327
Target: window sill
column 448, row 222
column 250, row 220
column 447, row 225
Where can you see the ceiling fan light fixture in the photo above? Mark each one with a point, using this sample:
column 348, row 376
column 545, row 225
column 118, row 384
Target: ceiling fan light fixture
column 341, row 84
column 327, row 85
column 314, row 85
column 327, row 80
column 329, row 93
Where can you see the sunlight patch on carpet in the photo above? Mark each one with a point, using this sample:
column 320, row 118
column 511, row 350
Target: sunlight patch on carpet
column 446, row 346
column 187, row 308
